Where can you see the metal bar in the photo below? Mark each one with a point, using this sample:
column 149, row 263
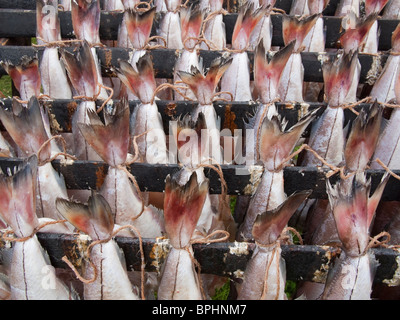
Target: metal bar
column 239, row 178
column 164, row 61
column 22, row 23
column 303, row 262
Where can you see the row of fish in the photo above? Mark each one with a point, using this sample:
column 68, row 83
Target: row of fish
column 186, row 211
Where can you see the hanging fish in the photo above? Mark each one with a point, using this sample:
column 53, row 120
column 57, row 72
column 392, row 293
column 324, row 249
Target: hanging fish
column 392, row 10
column 294, row 28
column 353, row 272
column 31, row 276
column 274, row 146
column 26, row 128
column 53, row 75
column 182, row 209
column 263, row 30
column 191, row 22
column 111, row 141
column 82, row 73
column 214, row 27
column 346, row 7
column 299, row 8
column 265, row 274
column 236, row 79
column 169, row 27
column 146, row 118
column 96, row 220
column 85, row 15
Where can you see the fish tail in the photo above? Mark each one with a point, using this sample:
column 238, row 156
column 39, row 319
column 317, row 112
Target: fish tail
column 182, row 208
column 18, row 197
column 81, row 68
column 246, row 22
column 317, row 6
column 396, row 39
column 269, row 225
column 25, row 76
column 374, row 6
column 85, row 17
column 94, row 218
column 110, row 140
column 363, row 138
column 191, row 22
column 139, row 26
column 297, row 28
column 48, row 24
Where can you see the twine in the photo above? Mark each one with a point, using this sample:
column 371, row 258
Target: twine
column 6, row 234
column 164, row 86
column 88, row 255
column 387, row 169
column 65, row 154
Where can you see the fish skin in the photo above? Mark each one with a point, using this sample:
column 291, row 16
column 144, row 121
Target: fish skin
column 299, row 8
column 392, row 10
column 182, row 209
column 263, row 30
column 345, row 6
column 28, row 281
column 170, row 30
column 114, row 5
column 275, row 145
column 267, row 254
column 294, row 28
column 96, row 220
column 353, row 273
column 214, row 28
column 315, row 39
column 47, row 32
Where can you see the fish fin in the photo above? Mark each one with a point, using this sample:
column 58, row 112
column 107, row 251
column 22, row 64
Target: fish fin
column 374, row 200
column 191, row 22
column 297, row 28
column 76, row 213
column 47, row 22
column 246, row 22
column 363, row 138
column 101, row 214
column 374, row 6
column 85, row 16
column 269, row 225
column 110, row 141
column 182, row 209
column 338, row 76
column 81, row 69
column 139, row 26
column 270, row 72
column 25, row 126
column 27, row 71
column 18, row 197
column 353, row 38
column 275, row 144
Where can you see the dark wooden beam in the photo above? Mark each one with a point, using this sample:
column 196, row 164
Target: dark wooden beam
column 303, row 262
column 164, row 61
column 22, row 23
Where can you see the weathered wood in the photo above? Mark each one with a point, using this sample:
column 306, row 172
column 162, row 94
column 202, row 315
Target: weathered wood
column 22, row 23
column 239, row 179
column 303, row 262
column 164, row 61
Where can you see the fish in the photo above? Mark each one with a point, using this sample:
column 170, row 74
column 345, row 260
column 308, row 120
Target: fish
column 85, row 16
column 114, row 5
column 299, row 8
column 265, row 274
column 383, row 88
column 96, row 220
column 263, row 29
column 169, row 26
column 294, row 28
column 182, row 209
column 391, row 10
column 372, row 38
column 275, row 144
column 191, row 23
column 111, row 141
column 353, row 272
column 146, row 118
column 214, row 30
column 52, row 72
column 65, row 4
column 327, row 135
column 31, row 277
column 236, row 79
column 346, row 7
column 26, row 128
column 81, row 69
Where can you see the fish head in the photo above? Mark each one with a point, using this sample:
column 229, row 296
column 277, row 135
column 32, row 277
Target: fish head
column 182, row 208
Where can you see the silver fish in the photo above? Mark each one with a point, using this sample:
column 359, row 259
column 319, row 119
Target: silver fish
column 214, row 26
column 31, row 276
column 96, row 220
